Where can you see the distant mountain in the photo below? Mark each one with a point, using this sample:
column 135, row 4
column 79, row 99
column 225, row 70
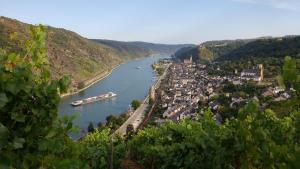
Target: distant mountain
column 142, row 47
column 71, row 54
column 243, row 48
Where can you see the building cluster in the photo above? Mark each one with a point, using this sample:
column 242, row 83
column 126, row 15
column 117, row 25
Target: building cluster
column 278, row 93
column 184, row 86
column 187, row 83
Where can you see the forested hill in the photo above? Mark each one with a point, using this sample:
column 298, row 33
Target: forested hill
column 71, row 54
column 268, row 47
column 143, row 47
column 68, row 52
column 243, row 48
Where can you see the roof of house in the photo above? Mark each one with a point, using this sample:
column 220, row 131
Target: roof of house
column 250, row 71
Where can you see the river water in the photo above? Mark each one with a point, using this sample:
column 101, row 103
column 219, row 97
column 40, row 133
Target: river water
column 127, row 81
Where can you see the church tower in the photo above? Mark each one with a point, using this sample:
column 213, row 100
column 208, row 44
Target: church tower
column 261, row 69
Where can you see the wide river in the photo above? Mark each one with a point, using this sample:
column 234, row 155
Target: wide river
column 127, row 81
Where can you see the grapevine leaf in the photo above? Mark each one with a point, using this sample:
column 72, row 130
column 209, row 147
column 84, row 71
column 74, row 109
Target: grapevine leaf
column 18, row 116
column 18, row 143
column 4, row 134
column 3, row 100
column 51, row 134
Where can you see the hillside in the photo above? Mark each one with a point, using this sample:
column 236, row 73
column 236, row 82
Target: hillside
column 268, row 47
column 71, row 54
column 243, row 48
column 211, row 50
column 141, row 47
column 124, row 47
column 68, row 52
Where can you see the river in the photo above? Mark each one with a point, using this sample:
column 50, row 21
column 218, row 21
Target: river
column 126, row 81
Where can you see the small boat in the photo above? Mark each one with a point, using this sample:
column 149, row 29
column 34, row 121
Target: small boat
column 138, row 67
column 94, row 99
column 77, row 103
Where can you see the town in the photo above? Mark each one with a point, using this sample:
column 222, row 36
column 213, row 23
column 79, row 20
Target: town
column 189, row 88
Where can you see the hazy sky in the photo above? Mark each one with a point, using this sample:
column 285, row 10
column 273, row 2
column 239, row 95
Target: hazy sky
column 163, row 21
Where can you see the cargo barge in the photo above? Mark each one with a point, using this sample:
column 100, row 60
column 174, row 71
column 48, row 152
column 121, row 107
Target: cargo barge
column 94, row 99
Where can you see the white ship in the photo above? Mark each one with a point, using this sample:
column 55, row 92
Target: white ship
column 94, row 99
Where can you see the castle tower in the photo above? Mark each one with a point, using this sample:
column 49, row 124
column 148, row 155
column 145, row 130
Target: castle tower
column 236, row 71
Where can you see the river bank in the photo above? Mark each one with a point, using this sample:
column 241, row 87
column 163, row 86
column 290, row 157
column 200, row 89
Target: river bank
column 92, row 81
column 97, row 78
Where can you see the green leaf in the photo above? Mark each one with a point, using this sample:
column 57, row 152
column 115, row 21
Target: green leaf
column 13, row 57
column 3, row 100
column 43, row 145
column 5, row 162
column 13, row 88
column 64, row 82
column 18, row 143
column 4, row 134
column 51, row 134
column 18, row 116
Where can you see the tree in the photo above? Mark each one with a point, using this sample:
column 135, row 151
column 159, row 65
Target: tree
column 151, row 101
column 96, row 151
column 100, row 124
column 290, row 75
column 135, row 104
column 111, row 119
column 289, row 72
column 129, row 131
column 80, row 85
column 91, row 127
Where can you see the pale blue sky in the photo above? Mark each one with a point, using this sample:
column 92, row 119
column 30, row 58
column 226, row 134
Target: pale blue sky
column 162, row 21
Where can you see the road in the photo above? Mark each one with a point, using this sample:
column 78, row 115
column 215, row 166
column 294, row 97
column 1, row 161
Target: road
column 137, row 117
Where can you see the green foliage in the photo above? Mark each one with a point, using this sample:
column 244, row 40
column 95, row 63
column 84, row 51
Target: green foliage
column 210, row 50
column 80, row 85
column 114, row 122
column 290, row 77
column 135, row 104
column 205, row 54
column 160, row 71
column 243, row 49
column 254, row 140
column 248, row 88
column 31, row 134
column 268, row 47
column 129, row 131
column 289, row 73
column 98, row 147
column 91, row 127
